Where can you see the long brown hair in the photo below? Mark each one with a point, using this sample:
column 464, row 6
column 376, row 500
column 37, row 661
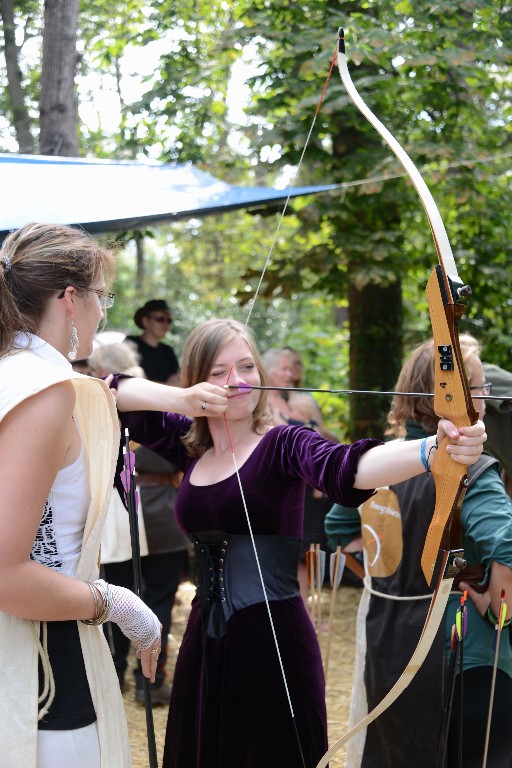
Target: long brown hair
column 37, row 262
column 417, row 375
column 199, row 354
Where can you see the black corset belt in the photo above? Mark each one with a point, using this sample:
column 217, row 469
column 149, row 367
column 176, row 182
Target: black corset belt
column 227, row 575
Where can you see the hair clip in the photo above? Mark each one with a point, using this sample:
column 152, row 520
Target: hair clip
column 7, row 264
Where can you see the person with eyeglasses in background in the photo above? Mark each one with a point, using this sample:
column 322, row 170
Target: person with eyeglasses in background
column 158, row 359
column 60, row 704
column 498, row 419
column 396, row 598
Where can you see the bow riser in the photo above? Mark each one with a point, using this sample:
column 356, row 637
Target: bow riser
column 451, row 401
column 447, row 474
column 452, row 393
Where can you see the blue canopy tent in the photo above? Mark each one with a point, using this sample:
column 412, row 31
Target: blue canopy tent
column 112, row 196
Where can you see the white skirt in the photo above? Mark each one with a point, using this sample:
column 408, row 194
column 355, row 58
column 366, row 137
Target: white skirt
column 79, row 748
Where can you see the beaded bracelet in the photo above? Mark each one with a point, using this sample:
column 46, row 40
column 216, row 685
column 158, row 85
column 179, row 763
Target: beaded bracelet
column 491, row 618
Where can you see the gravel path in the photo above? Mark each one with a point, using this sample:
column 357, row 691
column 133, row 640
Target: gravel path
column 339, row 677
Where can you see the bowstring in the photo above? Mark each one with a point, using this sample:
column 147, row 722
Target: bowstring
column 265, row 596
column 235, row 464
column 291, row 187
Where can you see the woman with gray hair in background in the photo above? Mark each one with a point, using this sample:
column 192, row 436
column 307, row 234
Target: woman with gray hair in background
column 299, row 409
column 118, row 357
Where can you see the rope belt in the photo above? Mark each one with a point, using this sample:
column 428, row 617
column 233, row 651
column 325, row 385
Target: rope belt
column 367, row 585
column 474, row 575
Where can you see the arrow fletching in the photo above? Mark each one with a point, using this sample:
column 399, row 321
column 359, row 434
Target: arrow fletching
column 341, row 558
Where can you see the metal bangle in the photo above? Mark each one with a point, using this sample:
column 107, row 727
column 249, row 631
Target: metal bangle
column 97, row 609
column 102, row 614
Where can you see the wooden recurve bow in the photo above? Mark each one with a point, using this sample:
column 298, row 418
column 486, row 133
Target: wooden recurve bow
column 452, row 400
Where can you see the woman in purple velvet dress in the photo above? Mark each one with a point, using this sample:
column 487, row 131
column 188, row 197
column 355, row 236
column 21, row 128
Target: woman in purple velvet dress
column 248, row 689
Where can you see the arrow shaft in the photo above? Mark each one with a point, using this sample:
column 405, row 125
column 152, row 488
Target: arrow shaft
column 356, row 392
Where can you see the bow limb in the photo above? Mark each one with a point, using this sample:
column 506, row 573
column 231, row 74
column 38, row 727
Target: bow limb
column 452, row 396
column 452, row 400
column 435, row 616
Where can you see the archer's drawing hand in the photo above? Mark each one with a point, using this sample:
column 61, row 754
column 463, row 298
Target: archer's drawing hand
column 204, row 399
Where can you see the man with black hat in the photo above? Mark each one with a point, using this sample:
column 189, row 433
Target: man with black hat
column 156, row 358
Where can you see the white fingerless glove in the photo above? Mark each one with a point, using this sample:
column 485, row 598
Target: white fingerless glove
column 132, row 616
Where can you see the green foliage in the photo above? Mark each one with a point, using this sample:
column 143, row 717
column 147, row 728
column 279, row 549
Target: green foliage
column 28, row 20
column 438, row 76
column 200, row 282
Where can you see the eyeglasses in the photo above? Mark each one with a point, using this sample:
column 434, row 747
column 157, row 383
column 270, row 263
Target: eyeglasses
column 485, row 388
column 106, row 299
column 161, row 318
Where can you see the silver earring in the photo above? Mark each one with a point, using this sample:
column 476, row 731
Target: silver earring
column 73, row 343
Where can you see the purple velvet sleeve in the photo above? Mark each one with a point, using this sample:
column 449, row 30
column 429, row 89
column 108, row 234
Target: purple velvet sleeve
column 161, row 432
column 330, row 467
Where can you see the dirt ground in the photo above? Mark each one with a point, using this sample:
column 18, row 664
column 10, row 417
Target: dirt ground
column 339, row 673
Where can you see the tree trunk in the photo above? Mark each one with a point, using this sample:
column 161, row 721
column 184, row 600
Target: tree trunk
column 139, row 245
column 375, row 322
column 20, row 116
column 57, row 105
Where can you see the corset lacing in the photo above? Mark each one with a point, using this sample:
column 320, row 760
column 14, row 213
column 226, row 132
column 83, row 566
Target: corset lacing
column 211, row 590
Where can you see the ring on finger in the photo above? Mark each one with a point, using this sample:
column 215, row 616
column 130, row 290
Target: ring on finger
column 155, row 650
column 203, row 405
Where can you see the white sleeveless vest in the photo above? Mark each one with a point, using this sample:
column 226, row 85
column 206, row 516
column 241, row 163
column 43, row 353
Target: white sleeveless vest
column 24, row 373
